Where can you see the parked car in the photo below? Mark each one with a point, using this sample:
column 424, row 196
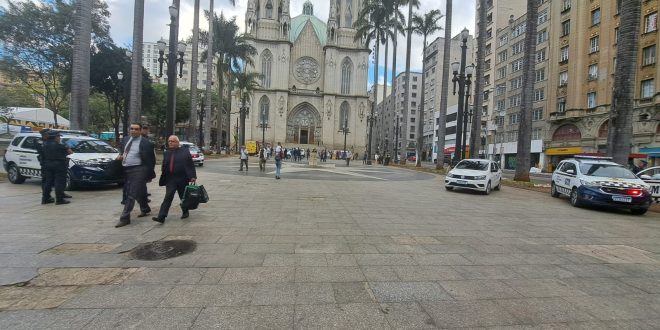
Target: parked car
column 652, row 177
column 196, row 153
column 475, row 174
column 87, row 165
column 590, row 180
column 412, row 158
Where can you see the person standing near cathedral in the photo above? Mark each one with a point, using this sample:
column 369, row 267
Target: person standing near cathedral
column 138, row 160
column 262, row 159
column 177, row 171
column 244, row 158
column 279, row 155
column 54, row 170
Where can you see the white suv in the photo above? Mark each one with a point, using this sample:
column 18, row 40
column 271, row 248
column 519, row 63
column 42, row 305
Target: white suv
column 87, row 165
column 599, row 181
column 476, row 174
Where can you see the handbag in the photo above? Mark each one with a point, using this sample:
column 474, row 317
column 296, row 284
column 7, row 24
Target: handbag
column 162, row 181
column 203, row 195
column 191, row 197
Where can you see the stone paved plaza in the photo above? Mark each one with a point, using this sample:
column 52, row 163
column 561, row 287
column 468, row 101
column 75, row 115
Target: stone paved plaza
column 347, row 248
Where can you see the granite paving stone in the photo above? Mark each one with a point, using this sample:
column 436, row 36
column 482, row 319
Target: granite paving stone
column 543, row 288
column 545, row 310
column 615, row 308
column 266, row 248
column 648, row 285
column 52, row 319
column 173, row 276
column 407, row 316
column 258, row 275
column 384, row 259
column 12, row 275
column 476, row 313
column 119, row 296
column 340, row 316
column 426, row 273
column 486, row 272
column 209, row 295
column 479, row 289
column 230, row 260
column 607, row 286
column 322, row 248
column 352, row 292
column 379, row 273
column 144, row 318
column 17, row 298
column 542, row 271
column 329, row 274
column 250, row 317
column 408, row 291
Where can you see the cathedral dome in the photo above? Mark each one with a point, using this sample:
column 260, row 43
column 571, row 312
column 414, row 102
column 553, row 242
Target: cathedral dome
column 298, row 24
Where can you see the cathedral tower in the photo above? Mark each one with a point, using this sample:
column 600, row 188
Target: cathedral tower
column 268, row 19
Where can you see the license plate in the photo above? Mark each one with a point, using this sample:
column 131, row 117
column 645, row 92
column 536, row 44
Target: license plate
column 461, row 181
column 624, row 199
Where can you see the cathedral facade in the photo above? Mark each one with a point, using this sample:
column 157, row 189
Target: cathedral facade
column 313, row 77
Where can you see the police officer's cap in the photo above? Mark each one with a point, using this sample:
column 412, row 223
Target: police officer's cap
column 44, row 131
column 53, row 134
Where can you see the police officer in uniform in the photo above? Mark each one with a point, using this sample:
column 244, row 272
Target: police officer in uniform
column 54, row 169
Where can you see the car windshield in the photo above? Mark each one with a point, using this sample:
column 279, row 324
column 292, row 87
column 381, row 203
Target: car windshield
column 193, row 148
column 472, row 165
column 606, row 170
column 88, row 146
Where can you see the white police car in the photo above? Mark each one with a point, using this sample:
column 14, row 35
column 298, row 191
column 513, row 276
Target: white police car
column 87, row 165
column 652, row 177
column 599, row 181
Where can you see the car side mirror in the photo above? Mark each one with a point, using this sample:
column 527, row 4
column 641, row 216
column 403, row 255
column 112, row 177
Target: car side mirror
column 571, row 171
column 645, row 177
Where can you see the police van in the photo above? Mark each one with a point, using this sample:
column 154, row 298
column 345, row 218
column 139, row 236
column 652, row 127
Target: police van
column 589, row 180
column 87, row 165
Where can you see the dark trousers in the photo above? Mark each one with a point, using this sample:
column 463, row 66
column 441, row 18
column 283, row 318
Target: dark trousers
column 174, row 185
column 262, row 164
column 135, row 182
column 244, row 161
column 53, row 175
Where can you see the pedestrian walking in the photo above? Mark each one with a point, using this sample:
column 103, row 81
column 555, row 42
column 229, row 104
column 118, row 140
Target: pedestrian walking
column 54, row 169
column 349, row 155
column 364, row 159
column 244, row 158
column 279, row 155
column 262, row 160
column 177, row 171
column 138, row 160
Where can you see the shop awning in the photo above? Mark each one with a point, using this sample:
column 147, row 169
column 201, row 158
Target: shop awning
column 563, row 151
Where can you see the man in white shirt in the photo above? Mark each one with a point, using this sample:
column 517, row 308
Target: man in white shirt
column 244, row 158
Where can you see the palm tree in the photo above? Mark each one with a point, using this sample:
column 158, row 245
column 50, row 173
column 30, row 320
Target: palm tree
column 398, row 21
column 523, row 157
column 621, row 114
column 209, row 76
column 373, row 25
column 194, row 64
column 80, row 69
column 444, row 91
column 475, row 132
column 411, row 4
column 246, row 83
column 424, row 26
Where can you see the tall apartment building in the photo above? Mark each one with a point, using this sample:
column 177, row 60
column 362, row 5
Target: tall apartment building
column 433, row 60
column 508, row 87
column 150, row 63
column 498, row 13
column 581, row 77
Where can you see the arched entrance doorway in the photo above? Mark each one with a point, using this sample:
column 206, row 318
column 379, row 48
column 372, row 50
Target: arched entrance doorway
column 303, row 125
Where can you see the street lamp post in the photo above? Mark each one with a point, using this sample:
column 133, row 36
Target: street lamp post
column 116, row 84
column 460, row 78
column 244, row 111
column 345, row 131
column 371, row 118
column 171, row 60
column 263, row 128
column 467, row 111
column 396, row 144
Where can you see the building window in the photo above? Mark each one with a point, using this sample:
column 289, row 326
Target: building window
column 266, row 65
column 595, row 16
column 563, row 57
column 516, row 65
column 503, row 39
column 346, row 76
column 517, row 48
column 566, row 5
column 264, row 110
column 414, row 78
column 344, row 115
column 541, row 36
column 648, row 55
column 540, row 55
column 651, row 22
column 501, row 73
column 594, row 44
column 561, row 105
column 414, row 87
column 540, row 74
column 537, row 133
column 514, row 101
column 412, row 136
column 648, row 88
column 501, row 56
column 565, row 27
column 519, row 29
column 269, row 9
column 500, row 89
column 501, row 105
column 414, row 94
column 514, row 118
column 616, row 35
column 593, row 72
column 412, row 120
column 537, row 114
column 591, row 100
column 539, row 94
column 543, row 16
column 516, row 83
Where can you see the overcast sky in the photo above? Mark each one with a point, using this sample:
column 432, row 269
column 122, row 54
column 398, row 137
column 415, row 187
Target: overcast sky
column 156, row 20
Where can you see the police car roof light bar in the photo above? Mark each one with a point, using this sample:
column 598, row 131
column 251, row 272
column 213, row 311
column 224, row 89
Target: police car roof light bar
column 592, row 157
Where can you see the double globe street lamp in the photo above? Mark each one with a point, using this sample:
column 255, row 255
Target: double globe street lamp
column 462, row 76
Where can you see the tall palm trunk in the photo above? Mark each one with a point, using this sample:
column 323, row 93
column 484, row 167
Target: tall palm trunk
column 135, row 103
column 221, row 105
column 475, row 134
column 194, row 65
column 523, row 157
column 444, row 91
column 620, row 123
column 371, row 123
column 381, row 127
column 393, row 92
column 420, row 121
column 209, row 78
column 79, row 112
column 227, row 124
column 404, row 148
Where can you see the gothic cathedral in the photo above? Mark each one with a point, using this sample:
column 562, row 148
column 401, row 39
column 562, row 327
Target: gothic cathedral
column 313, row 76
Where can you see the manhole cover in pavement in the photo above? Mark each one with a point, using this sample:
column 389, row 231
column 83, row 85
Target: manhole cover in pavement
column 160, row 250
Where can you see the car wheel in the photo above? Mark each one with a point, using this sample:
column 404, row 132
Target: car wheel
column 69, row 183
column 488, row 189
column 638, row 211
column 201, row 164
column 14, row 175
column 553, row 190
column 499, row 186
column 575, row 199
column 449, row 188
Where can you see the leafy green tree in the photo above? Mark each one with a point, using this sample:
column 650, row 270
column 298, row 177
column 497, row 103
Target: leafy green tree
column 37, row 39
column 246, row 83
column 17, row 96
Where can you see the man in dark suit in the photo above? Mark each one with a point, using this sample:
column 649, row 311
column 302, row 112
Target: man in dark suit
column 177, row 171
column 138, row 159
